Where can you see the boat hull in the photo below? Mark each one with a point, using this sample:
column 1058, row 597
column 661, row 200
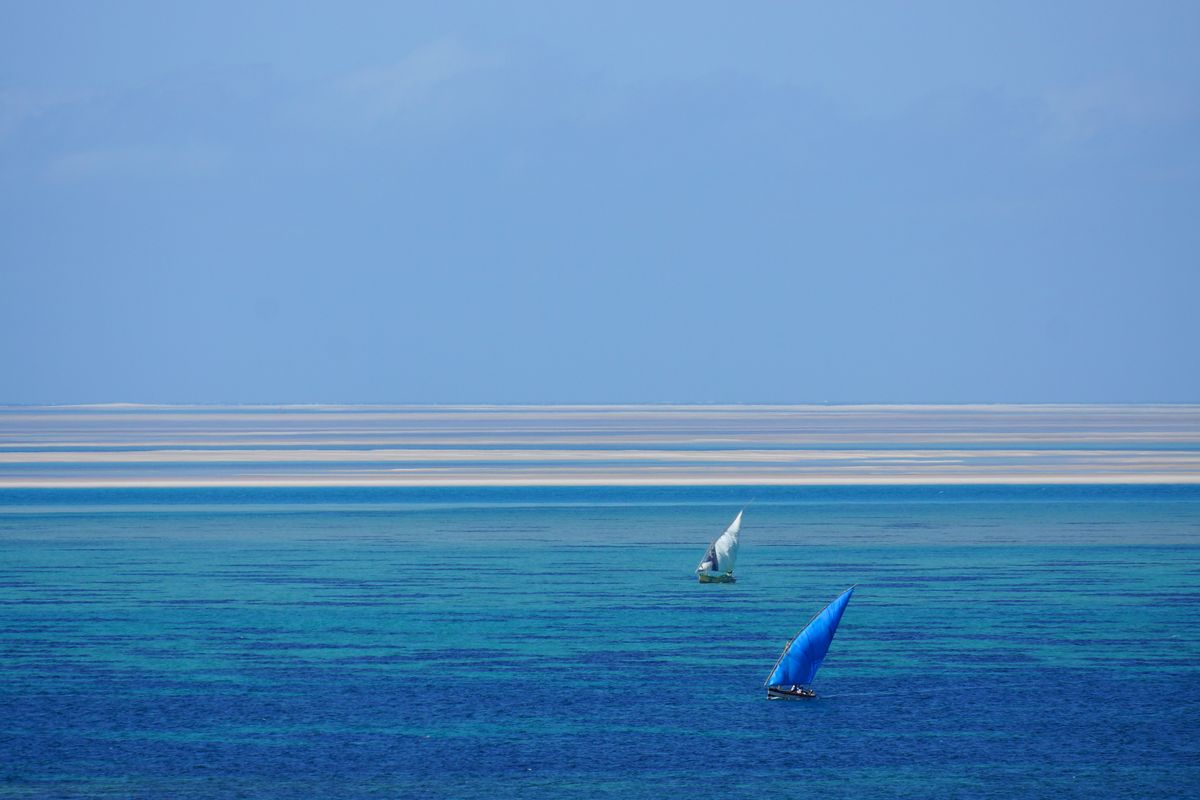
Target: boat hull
column 780, row 693
column 716, row 578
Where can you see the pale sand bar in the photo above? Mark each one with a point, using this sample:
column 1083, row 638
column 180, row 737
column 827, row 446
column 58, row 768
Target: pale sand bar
column 168, row 446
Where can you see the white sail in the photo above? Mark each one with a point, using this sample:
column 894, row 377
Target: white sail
column 721, row 555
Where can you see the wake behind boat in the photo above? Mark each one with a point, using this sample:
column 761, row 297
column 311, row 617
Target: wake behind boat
column 802, row 656
column 718, row 561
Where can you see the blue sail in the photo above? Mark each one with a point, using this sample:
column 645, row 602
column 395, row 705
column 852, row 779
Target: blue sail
column 803, row 656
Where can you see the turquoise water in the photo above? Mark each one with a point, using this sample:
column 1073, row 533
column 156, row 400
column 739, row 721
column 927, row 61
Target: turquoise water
column 1021, row 641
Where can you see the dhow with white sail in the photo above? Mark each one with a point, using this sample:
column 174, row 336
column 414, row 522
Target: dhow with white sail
column 718, row 561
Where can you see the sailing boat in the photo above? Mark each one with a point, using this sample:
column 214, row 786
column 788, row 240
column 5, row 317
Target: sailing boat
column 718, row 561
column 802, row 657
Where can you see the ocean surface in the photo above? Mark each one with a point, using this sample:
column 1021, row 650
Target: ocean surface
column 1020, row 641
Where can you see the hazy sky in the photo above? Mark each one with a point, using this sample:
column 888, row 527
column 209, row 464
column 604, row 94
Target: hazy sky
column 395, row 202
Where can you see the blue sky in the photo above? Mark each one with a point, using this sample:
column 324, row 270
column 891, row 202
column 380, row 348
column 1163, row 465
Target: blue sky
column 558, row 202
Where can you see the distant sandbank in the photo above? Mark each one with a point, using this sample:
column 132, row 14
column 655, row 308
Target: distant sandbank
column 345, row 446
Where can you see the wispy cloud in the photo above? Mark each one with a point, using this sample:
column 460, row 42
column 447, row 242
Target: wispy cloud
column 1087, row 110
column 137, row 162
column 388, row 91
column 20, row 106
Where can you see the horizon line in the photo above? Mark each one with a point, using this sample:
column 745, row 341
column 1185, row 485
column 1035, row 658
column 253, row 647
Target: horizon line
column 665, row 404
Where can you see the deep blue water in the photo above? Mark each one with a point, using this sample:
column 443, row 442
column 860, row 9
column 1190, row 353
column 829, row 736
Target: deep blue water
column 1003, row 641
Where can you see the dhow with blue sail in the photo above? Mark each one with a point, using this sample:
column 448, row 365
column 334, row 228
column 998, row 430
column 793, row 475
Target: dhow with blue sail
column 718, row 561
column 802, row 656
